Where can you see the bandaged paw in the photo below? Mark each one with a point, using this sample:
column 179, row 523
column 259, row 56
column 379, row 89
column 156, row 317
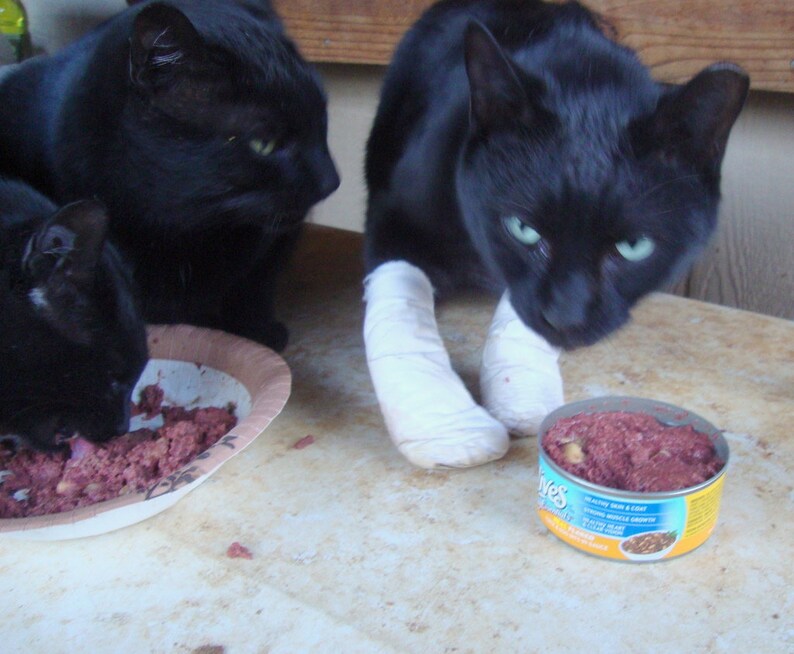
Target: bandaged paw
column 429, row 413
column 520, row 379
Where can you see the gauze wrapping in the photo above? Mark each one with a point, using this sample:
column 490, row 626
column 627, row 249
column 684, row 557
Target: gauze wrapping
column 429, row 413
column 520, row 379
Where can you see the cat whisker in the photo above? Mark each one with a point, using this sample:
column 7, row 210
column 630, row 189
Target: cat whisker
column 662, row 212
column 28, row 409
column 661, row 185
column 185, row 274
column 58, row 251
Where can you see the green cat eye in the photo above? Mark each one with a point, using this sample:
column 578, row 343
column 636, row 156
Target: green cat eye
column 262, row 148
column 636, row 250
column 520, row 231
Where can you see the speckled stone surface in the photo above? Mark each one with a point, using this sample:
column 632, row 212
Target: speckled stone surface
column 354, row 550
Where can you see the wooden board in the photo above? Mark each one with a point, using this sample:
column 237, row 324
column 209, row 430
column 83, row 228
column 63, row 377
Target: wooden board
column 675, row 37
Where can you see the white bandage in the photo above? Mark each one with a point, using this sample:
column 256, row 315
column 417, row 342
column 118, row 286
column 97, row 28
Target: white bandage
column 429, row 413
column 520, row 379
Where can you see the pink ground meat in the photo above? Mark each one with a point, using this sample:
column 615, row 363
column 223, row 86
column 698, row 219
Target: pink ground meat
column 631, row 451
column 238, row 551
column 150, row 402
column 37, row 483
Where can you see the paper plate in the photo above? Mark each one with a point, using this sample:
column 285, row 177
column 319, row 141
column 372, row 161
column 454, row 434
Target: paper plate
column 194, row 367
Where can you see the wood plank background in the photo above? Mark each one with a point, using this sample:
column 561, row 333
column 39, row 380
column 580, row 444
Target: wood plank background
column 676, row 38
column 750, row 261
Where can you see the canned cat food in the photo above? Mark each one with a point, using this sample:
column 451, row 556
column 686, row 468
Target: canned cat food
column 630, row 479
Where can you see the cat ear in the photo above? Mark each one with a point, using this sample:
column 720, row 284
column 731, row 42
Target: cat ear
column 162, row 38
column 694, row 121
column 497, row 95
column 63, row 257
column 69, row 244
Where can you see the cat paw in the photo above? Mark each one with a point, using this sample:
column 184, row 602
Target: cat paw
column 430, row 415
column 454, row 441
column 520, row 380
column 520, row 404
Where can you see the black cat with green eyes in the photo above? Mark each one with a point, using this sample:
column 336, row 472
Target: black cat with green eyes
column 202, row 130
column 516, row 147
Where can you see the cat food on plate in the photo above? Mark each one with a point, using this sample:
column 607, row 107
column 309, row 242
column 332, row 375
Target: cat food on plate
column 629, row 478
column 195, row 368
column 39, row 483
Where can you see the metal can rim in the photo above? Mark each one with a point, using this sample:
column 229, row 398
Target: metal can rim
column 633, row 404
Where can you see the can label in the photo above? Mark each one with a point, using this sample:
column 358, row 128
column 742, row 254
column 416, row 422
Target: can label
column 626, row 527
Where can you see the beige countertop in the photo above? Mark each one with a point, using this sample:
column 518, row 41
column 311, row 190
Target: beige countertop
column 355, row 550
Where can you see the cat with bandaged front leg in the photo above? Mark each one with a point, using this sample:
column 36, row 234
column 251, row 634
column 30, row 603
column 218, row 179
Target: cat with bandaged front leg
column 517, row 149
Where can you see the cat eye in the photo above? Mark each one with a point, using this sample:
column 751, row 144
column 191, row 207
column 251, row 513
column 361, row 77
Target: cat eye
column 262, row 148
column 637, row 249
column 520, row 231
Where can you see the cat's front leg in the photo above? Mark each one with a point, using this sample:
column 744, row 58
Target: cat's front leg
column 429, row 413
column 248, row 309
column 252, row 317
column 520, row 379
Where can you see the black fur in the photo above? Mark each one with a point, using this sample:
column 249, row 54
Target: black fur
column 496, row 111
column 158, row 113
column 72, row 341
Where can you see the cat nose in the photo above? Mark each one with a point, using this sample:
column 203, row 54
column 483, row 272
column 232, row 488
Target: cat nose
column 330, row 182
column 570, row 299
column 325, row 175
column 327, row 182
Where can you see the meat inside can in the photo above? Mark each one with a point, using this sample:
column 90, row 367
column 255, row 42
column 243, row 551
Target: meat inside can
column 589, row 497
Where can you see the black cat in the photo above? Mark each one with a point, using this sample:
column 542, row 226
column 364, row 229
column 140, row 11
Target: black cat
column 72, row 341
column 516, row 147
column 202, row 129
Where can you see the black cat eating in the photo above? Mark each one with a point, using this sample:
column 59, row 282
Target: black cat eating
column 72, row 340
column 517, row 149
column 203, row 130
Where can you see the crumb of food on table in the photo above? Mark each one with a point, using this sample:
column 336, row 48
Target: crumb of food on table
column 632, row 451
column 209, row 649
column 40, row 483
column 304, row 442
column 238, row 551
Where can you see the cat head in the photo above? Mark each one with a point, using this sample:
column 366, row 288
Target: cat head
column 235, row 115
column 586, row 189
column 73, row 342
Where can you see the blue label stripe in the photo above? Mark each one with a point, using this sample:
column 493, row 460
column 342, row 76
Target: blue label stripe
column 604, row 515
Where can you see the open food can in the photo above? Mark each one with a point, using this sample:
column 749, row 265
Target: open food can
column 652, row 492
